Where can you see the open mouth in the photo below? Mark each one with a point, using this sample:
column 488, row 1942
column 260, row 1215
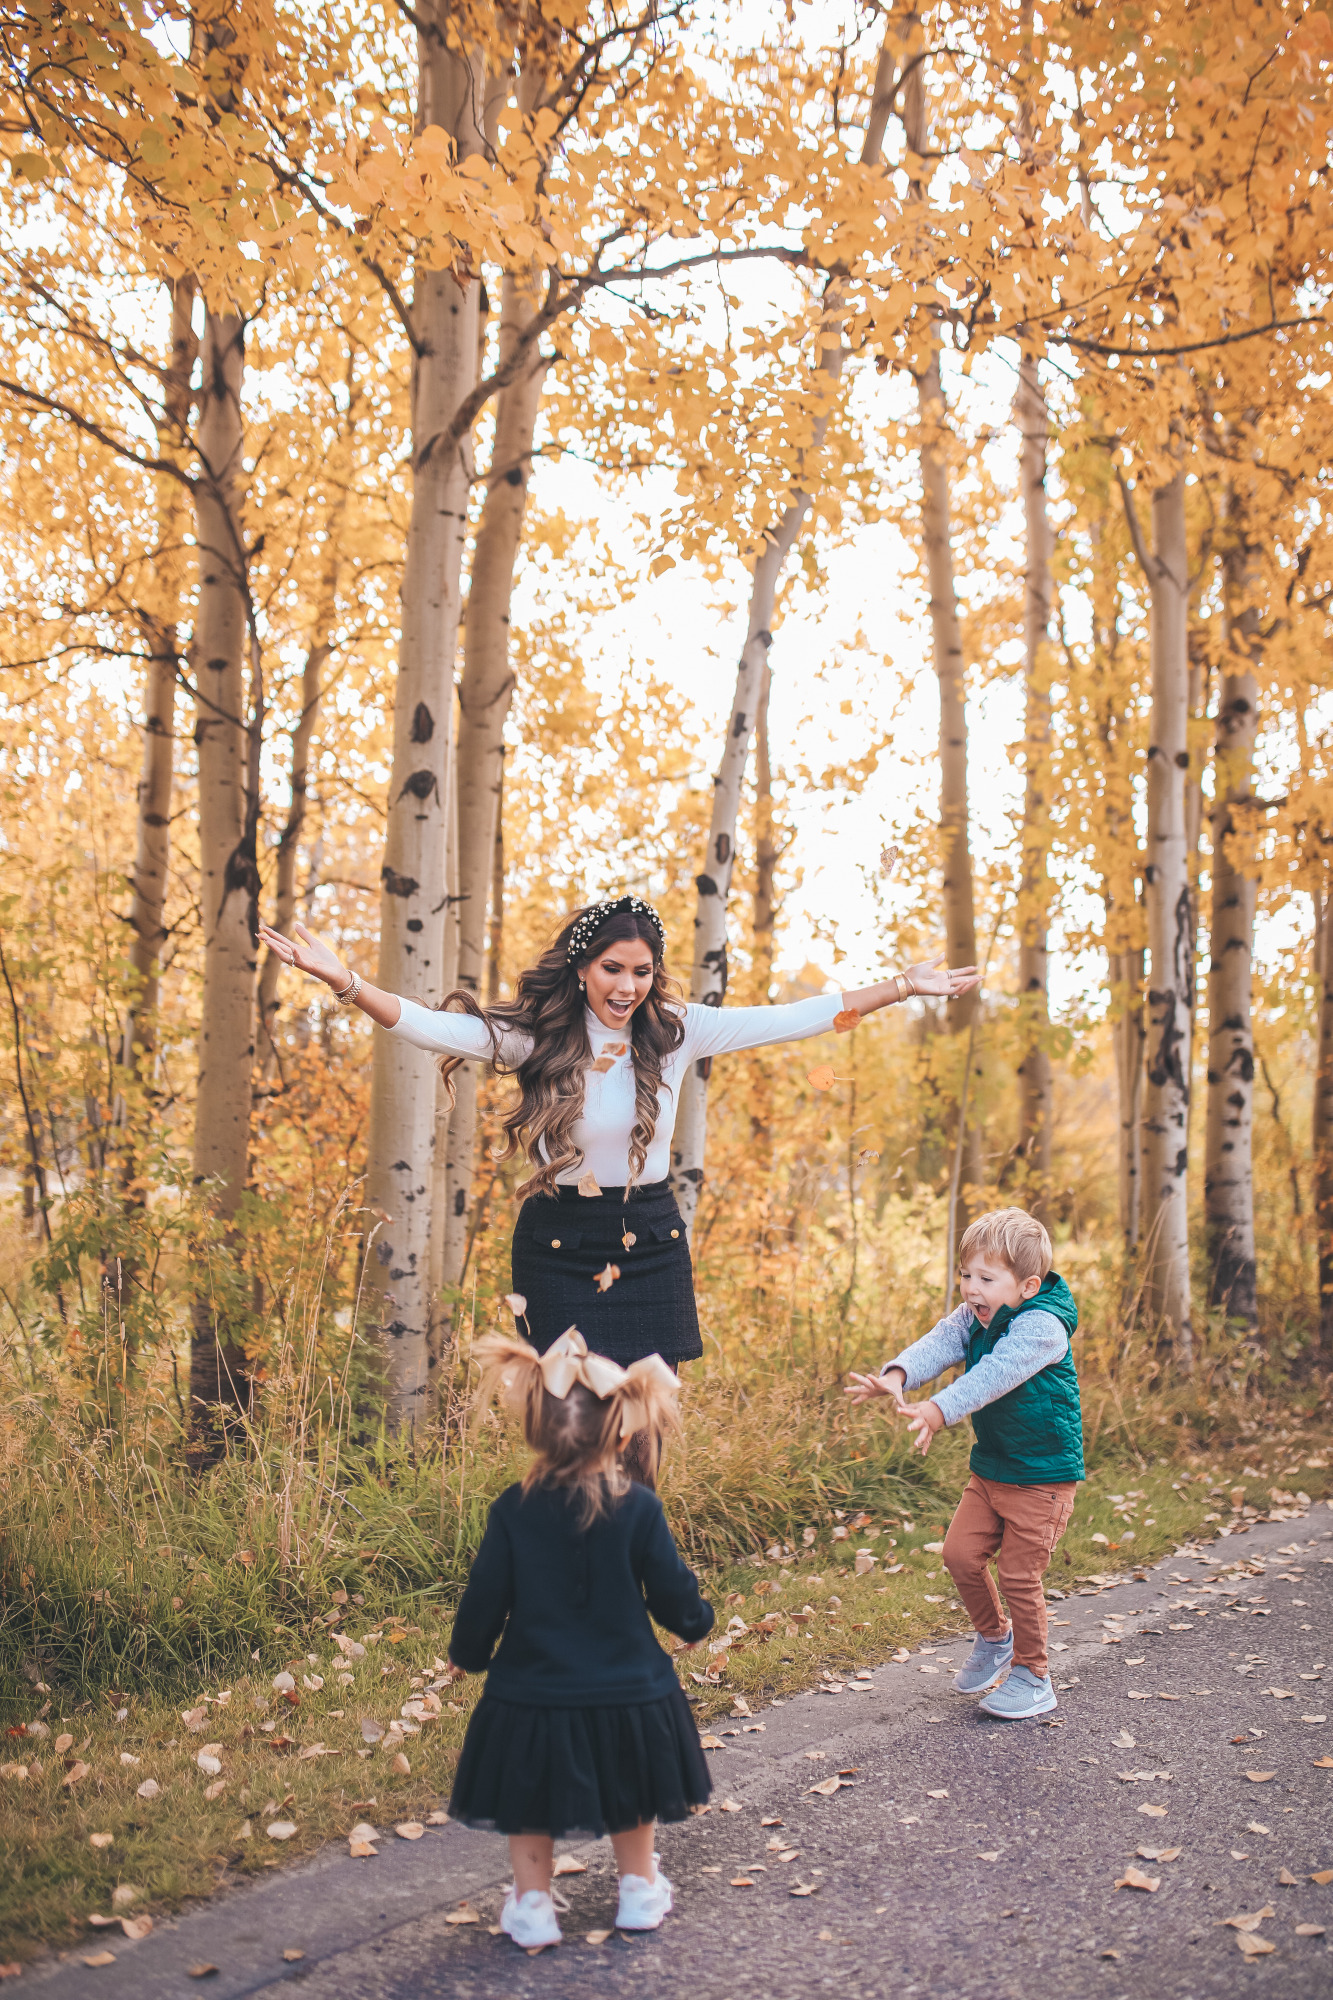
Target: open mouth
column 620, row 1006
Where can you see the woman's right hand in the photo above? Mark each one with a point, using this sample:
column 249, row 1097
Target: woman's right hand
column 307, row 954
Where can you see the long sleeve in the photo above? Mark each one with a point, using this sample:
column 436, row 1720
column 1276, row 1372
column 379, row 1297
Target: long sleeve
column 1033, row 1341
column 713, row 1031
column 449, row 1034
column 943, row 1347
column 486, row 1602
column 670, row 1587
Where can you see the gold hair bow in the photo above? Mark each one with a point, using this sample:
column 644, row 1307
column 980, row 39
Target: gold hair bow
column 567, row 1361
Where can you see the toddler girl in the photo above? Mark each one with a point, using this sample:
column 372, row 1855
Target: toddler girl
column 582, row 1727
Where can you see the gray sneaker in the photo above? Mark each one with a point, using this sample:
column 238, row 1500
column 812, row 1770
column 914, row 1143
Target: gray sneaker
column 1022, row 1695
column 984, row 1664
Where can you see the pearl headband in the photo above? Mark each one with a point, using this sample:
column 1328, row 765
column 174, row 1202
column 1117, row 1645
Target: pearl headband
column 592, row 920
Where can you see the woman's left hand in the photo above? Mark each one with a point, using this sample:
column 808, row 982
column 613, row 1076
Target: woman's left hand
column 935, row 978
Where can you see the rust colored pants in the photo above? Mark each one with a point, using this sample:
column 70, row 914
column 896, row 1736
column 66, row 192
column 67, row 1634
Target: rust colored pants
column 1024, row 1523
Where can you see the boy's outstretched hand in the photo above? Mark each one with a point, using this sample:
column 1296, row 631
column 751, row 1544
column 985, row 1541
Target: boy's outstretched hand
column 925, row 1419
column 865, row 1388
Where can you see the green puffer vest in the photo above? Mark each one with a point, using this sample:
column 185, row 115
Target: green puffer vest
column 1033, row 1436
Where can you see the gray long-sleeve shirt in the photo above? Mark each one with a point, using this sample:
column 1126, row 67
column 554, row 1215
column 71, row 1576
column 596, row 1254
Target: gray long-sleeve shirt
column 1032, row 1342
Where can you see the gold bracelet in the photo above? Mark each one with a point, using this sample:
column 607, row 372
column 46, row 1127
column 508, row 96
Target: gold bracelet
column 902, row 986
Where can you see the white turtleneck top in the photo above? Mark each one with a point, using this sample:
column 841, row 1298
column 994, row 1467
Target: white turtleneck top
column 602, row 1134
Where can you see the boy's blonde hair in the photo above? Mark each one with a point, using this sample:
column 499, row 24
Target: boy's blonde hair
column 1012, row 1237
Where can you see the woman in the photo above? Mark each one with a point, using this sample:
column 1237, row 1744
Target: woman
column 598, row 1043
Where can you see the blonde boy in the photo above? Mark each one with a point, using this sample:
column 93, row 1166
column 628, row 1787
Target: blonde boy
column 1012, row 1333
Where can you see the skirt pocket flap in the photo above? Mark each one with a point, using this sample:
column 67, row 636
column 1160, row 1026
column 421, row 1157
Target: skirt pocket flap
column 667, row 1231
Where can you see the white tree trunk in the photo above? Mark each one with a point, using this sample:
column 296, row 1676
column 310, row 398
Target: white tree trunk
column 484, row 695
column 1228, row 1173
column 414, row 876
column 1126, row 969
column 1034, row 1071
column 1321, row 1127
column 708, row 970
column 159, row 621
column 228, row 882
column 1170, row 932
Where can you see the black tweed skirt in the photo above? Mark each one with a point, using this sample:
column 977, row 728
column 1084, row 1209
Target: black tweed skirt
column 578, row 1770
column 561, row 1243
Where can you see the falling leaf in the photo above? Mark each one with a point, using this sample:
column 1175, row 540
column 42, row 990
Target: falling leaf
column 1254, row 1947
column 1134, row 1878
column 867, row 1158
column 600, row 1067
column 1153, row 1812
column 590, row 1186
column 605, row 1279
column 848, row 1019
column 629, row 1239
column 569, row 1864
column 888, row 859
column 1249, row 1920
column 516, row 1303
column 280, row 1829
column 1260, row 1777
column 99, row 1958
column 821, row 1077
column 412, row 1829
column 136, row 1927
column 596, row 1937
column 292, row 1955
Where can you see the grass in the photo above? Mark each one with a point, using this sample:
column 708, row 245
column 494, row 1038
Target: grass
column 127, row 1727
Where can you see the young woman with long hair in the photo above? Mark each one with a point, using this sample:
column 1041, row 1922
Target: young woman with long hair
column 597, row 1040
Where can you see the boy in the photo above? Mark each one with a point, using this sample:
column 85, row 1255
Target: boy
column 1020, row 1389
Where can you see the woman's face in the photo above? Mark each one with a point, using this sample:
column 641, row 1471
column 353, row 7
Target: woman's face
column 617, row 980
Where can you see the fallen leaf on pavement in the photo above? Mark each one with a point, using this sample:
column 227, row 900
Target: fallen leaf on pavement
column 1323, row 1763
column 1159, row 1853
column 1254, row 1947
column 1309, row 1930
column 437, row 1819
column 804, row 1889
column 201, row 1971
column 1134, row 1878
column 1153, row 1812
column 937, row 1795
column 827, row 1787
column 136, row 1927
column 993, row 1855
column 99, row 1958
column 566, row 1864
column 770, row 1822
column 463, row 1915
column 1260, row 1777
column 596, row 1937
column 730, row 1805
column 1249, row 1920
column 710, row 1742
column 361, row 1850
column 1287, row 1880
column 292, row 1955
column 412, row 1829
column 1324, row 1875
column 741, row 1882
column 1124, row 1741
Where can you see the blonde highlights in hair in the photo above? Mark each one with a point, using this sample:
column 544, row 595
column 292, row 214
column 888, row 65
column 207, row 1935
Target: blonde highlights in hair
column 1011, row 1237
column 576, row 1438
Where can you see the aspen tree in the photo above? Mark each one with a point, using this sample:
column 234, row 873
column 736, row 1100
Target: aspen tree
column 708, row 967
column 159, row 622
column 1034, row 1071
column 960, row 930
column 414, row 872
column 1167, row 900
column 1228, row 1183
column 1321, row 1124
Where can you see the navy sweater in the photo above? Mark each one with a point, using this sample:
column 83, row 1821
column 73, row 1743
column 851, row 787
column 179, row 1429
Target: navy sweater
column 573, row 1603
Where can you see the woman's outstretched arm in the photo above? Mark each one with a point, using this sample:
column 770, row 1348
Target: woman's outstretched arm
column 713, row 1031
column 424, row 1027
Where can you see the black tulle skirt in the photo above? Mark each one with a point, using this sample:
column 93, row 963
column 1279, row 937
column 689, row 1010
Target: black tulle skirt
column 562, row 1771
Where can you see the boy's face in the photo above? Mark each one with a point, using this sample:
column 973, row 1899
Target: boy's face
column 987, row 1285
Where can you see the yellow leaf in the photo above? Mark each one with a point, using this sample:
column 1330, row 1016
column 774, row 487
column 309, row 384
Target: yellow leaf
column 821, row 1077
column 589, row 1185
column 1134, row 1878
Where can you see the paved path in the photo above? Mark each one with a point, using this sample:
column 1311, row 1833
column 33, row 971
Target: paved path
column 963, row 1856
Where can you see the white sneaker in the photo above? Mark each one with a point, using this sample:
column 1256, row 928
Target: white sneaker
column 643, row 1904
column 530, row 1920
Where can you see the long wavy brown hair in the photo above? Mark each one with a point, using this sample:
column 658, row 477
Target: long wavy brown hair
column 548, row 1005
